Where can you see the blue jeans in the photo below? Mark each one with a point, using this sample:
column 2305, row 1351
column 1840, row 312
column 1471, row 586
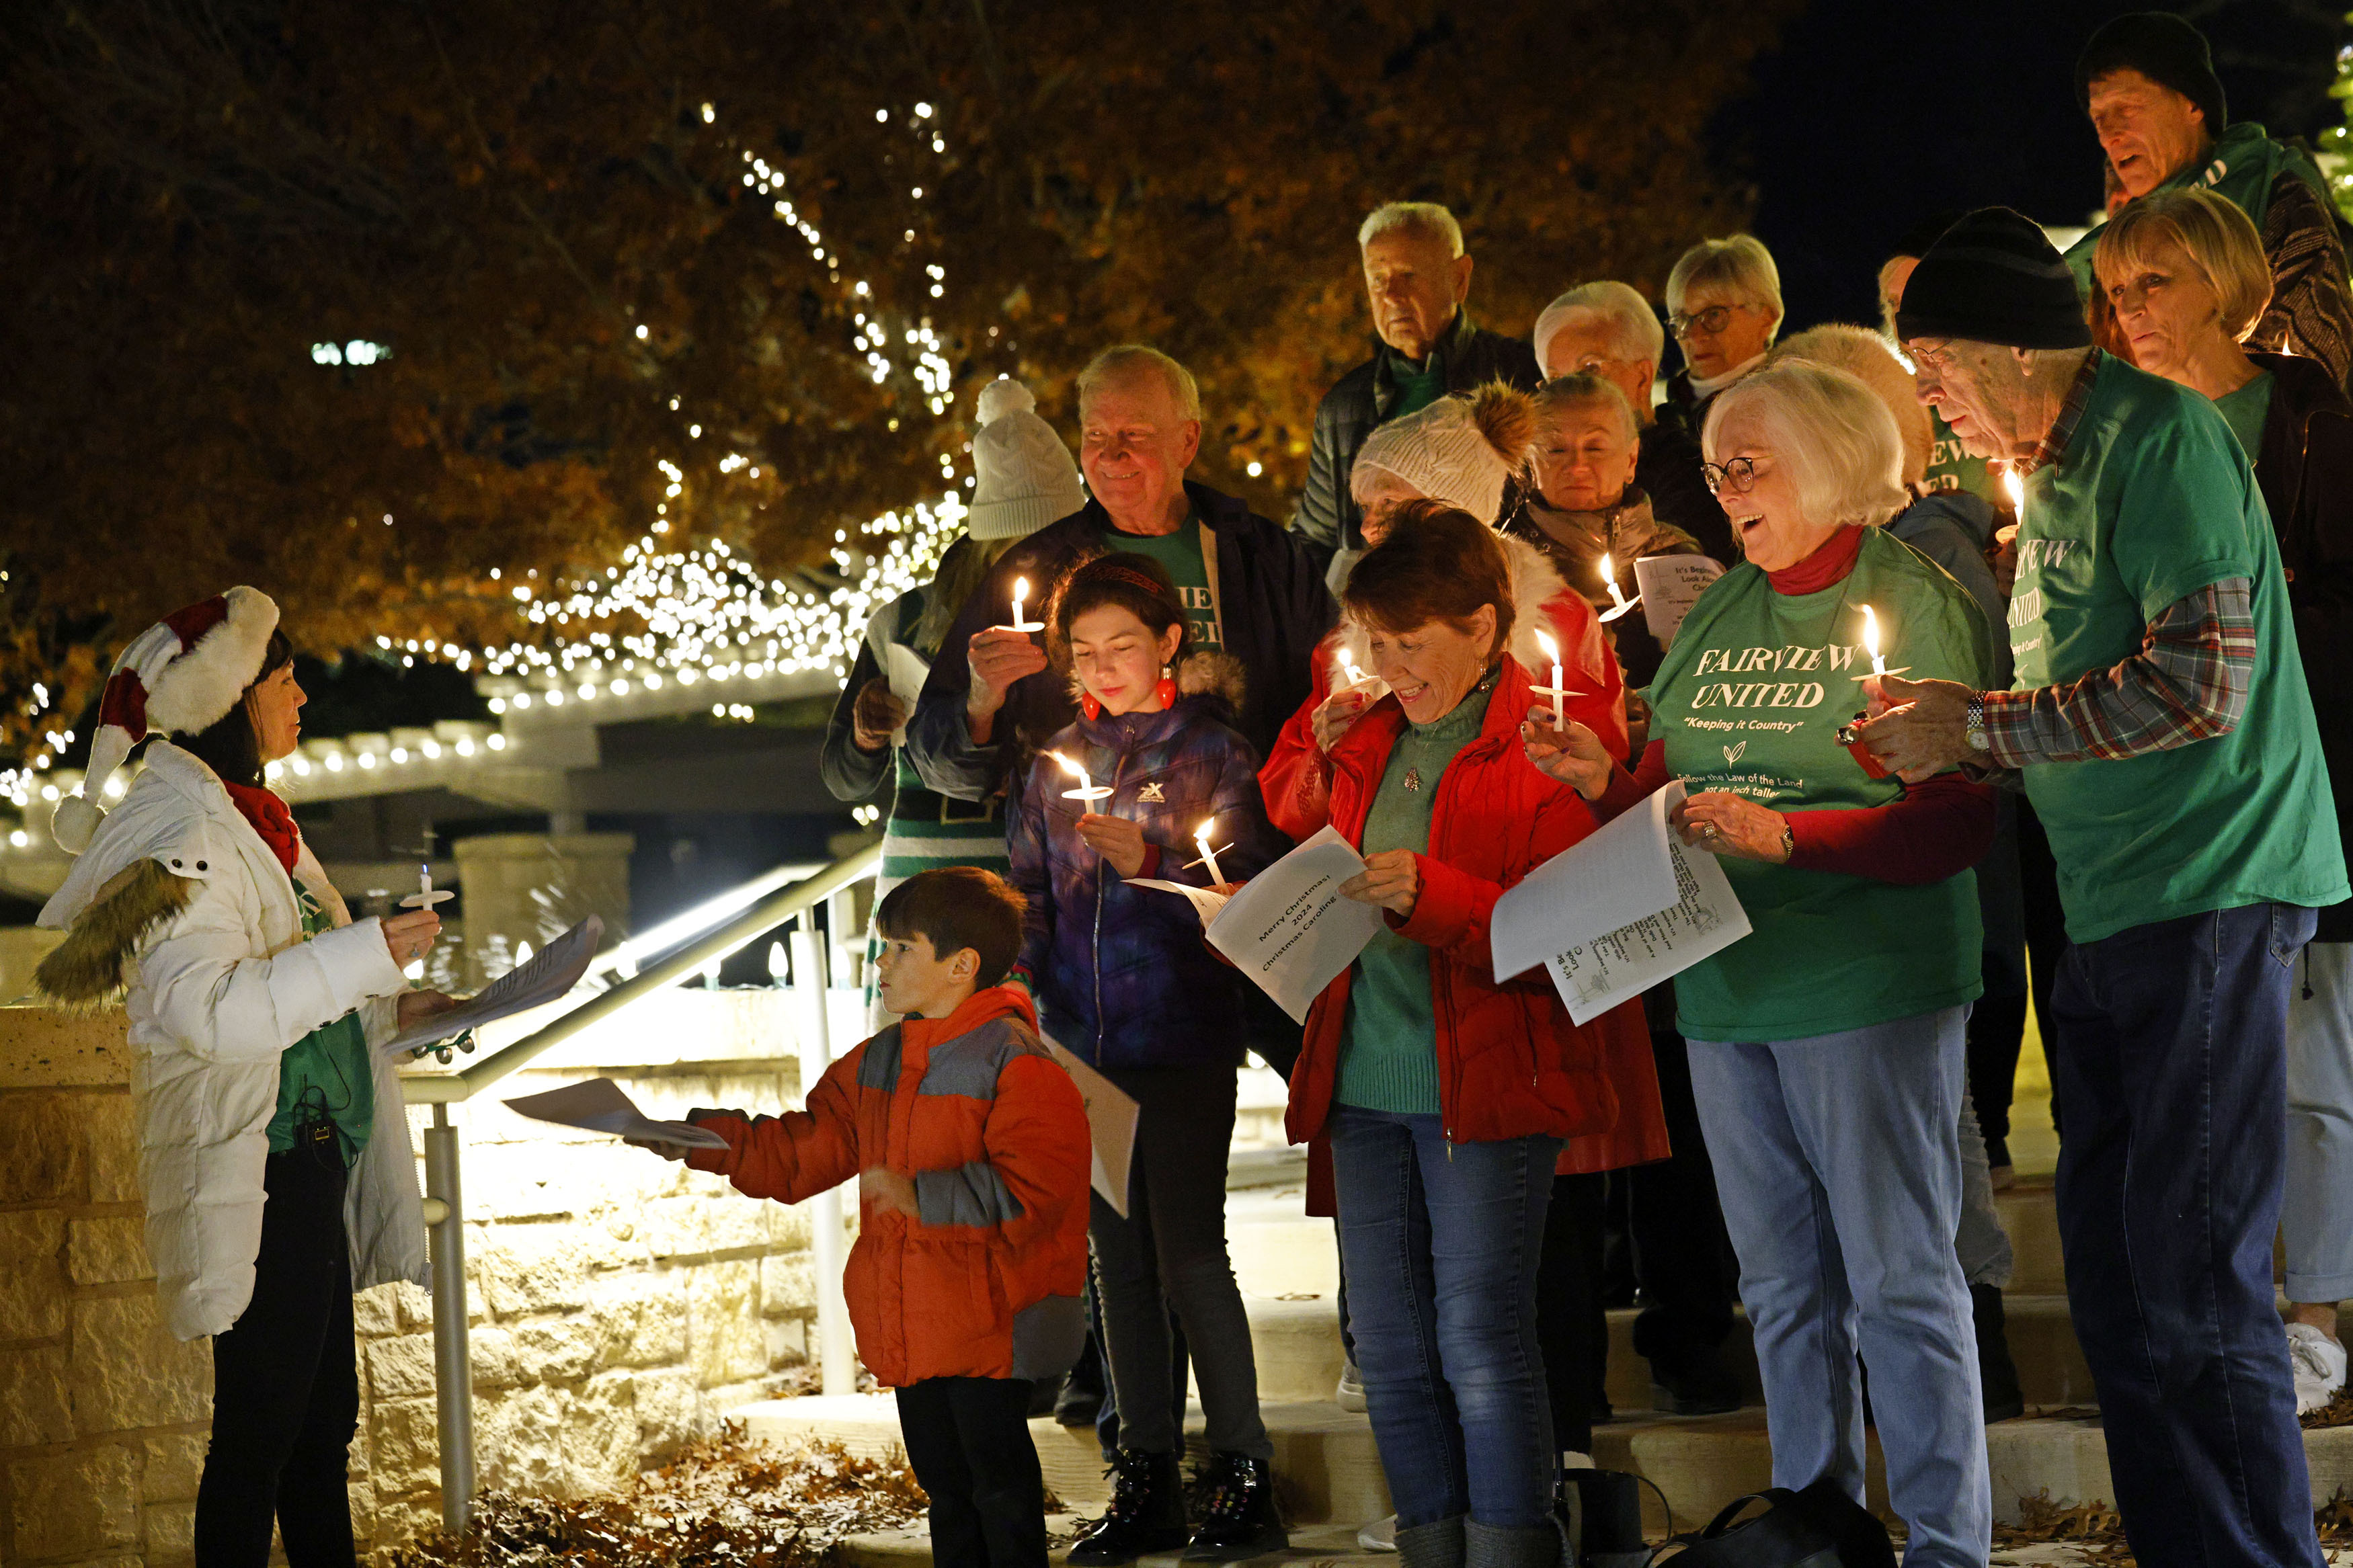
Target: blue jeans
column 2169, row 1061
column 1439, row 1242
column 1837, row 1160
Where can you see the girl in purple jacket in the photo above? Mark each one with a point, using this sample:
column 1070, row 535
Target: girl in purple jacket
column 1124, row 979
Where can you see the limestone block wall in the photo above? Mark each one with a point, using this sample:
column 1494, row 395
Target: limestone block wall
column 620, row 1304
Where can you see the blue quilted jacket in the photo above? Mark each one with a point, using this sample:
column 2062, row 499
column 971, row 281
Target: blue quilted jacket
column 1121, row 974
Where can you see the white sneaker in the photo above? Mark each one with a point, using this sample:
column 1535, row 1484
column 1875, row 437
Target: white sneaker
column 1378, row 1536
column 1350, row 1395
column 2318, row 1362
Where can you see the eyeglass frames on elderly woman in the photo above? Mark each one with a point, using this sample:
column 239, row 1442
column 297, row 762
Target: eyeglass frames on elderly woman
column 1736, row 476
column 1710, row 320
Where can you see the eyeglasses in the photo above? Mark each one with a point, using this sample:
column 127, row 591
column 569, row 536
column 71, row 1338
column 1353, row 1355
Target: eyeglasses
column 1930, row 354
column 1736, row 475
column 1710, row 320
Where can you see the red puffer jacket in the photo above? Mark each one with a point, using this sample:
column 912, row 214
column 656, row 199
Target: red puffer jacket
column 1510, row 1064
column 994, row 1136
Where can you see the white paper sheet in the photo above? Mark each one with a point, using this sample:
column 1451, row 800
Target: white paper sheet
column 1616, row 875
column 1290, row 930
column 1669, row 587
column 549, row 975
column 1204, row 903
column 1707, row 918
column 1110, row 1119
column 906, row 670
column 600, row 1105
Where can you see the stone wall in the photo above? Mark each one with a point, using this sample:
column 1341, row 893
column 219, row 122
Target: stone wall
column 620, row 1304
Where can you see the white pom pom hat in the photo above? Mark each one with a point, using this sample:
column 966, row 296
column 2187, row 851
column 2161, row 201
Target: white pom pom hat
column 178, row 677
column 1023, row 475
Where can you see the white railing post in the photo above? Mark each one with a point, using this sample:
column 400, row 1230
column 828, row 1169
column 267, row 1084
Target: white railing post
column 453, row 1372
column 836, row 1358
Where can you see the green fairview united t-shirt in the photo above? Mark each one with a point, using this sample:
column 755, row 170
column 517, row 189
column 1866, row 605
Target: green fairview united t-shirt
column 1179, row 554
column 1749, row 699
column 1951, row 468
column 2152, row 501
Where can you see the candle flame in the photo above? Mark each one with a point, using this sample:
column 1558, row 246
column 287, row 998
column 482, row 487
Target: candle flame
column 1870, row 632
column 1552, row 648
column 1202, row 833
column 2015, row 489
column 1608, row 573
column 1020, row 589
column 1076, row 772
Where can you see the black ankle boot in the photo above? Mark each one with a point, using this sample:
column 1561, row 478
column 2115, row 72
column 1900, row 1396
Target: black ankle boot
column 1146, row 1512
column 1997, row 1373
column 1242, row 1522
column 1694, row 1382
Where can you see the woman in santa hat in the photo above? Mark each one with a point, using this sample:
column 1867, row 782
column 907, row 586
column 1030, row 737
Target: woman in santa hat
column 275, row 1153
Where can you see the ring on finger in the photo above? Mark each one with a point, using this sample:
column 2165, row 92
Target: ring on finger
column 1707, row 830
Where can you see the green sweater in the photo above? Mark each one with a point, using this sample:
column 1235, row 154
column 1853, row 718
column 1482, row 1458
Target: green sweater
column 1389, row 1046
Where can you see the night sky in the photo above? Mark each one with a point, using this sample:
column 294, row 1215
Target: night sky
column 1873, row 115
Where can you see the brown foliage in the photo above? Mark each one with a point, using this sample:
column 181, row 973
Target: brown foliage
column 508, row 194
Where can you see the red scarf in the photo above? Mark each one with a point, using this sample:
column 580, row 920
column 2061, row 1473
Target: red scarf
column 1830, row 562
column 271, row 817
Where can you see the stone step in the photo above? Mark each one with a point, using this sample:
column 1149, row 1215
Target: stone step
column 1320, row 1544
column 1329, row 1473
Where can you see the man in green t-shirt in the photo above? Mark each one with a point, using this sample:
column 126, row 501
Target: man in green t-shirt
column 2162, row 725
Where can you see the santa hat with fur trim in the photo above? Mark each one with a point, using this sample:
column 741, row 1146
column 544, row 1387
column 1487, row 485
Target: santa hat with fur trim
column 178, row 677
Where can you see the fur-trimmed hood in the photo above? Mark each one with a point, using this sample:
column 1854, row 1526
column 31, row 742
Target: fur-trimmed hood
column 1198, row 674
column 1536, row 583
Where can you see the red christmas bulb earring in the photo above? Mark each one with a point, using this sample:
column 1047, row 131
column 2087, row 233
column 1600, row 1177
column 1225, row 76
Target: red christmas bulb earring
column 1166, row 690
column 1089, row 706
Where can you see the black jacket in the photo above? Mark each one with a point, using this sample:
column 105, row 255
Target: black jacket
column 1667, row 470
column 1360, row 400
column 2305, row 470
column 1272, row 603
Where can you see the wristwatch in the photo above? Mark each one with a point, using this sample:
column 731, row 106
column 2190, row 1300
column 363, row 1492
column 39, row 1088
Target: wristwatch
column 1978, row 740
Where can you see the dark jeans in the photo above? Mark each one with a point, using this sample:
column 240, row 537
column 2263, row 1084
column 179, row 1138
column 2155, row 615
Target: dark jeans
column 2169, row 1061
column 2046, row 944
column 1571, row 1324
column 1170, row 1253
column 1440, row 1242
column 968, row 1440
column 286, row 1392
column 1683, row 1255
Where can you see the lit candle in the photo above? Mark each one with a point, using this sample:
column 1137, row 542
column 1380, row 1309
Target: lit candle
column 1870, row 645
column 1208, row 856
column 1619, row 602
column 1088, row 789
column 425, row 898
column 1552, row 651
column 1558, row 690
column 2015, row 489
column 1021, row 591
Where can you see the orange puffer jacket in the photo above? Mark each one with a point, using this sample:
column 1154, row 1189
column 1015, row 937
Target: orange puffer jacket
column 986, row 1281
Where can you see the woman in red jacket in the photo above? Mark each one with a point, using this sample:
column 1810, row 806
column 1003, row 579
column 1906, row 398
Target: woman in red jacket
column 1447, row 1097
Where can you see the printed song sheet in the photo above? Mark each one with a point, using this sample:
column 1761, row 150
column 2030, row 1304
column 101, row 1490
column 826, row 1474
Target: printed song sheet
column 1669, row 587
column 1707, row 918
column 600, row 1105
column 548, row 977
column 906, row 670
column 1615, row 875
column 1204, row 903
column 1110, row 1119
column 1290, row 930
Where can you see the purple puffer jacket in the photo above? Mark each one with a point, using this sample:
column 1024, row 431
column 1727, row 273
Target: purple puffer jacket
column 1121, row 974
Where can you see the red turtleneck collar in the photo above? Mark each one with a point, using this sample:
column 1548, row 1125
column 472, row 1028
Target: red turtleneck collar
column 271, row 819
column 1828, row 565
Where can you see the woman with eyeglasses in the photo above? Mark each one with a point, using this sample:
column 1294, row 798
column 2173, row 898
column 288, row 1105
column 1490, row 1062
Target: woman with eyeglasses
column 1827, row 1052
column 1724, row 305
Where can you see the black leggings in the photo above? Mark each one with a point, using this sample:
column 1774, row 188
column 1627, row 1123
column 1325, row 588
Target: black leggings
column 968, row 1441
column 286, row 1392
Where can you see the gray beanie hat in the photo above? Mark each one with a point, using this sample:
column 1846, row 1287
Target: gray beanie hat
column 1024, row 478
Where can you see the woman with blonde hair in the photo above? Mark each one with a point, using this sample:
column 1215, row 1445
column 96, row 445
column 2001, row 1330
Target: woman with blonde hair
column 2183, row 274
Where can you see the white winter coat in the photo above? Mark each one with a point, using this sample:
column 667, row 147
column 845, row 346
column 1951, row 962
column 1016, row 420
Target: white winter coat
column 216, row 993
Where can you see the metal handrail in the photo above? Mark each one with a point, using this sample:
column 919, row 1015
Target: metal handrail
column 431, row 1088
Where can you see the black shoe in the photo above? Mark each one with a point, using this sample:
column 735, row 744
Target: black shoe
column 1242, row 1522
column 1696, row 1383
column 1146, row 1512
column 1997, row 1373
column 1079, row 1402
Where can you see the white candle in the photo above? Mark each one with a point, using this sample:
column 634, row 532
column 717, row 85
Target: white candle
column 425, row 898
column 1088, row 789
column 1021, row 591
column 1619, row 602
column 1208, row 855
column 1871, row 641
column 1552, row 652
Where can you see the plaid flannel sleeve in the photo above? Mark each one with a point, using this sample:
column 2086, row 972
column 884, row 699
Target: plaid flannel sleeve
column 2188, row 682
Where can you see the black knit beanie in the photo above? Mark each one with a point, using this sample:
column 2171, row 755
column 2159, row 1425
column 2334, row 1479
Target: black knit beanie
column 2164, row 49
column 1994, row 278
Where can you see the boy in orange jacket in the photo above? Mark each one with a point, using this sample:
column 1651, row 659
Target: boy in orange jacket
column 972, row 1154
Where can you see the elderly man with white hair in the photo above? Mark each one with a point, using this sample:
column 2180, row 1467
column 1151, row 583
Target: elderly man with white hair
column 1724, row 305
column 1609, row 330
column 2167, row 738
column 1418, row 279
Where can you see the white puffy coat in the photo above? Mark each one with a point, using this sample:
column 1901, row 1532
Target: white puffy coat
column 217, row 992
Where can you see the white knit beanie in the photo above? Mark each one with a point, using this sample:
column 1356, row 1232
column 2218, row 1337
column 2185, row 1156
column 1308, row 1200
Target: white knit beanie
column 1460, row 449
column 1023, row 476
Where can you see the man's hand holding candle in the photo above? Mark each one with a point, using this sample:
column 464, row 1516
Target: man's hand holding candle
column 997, row 657
column 1118, row 840
column 1921, row 728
